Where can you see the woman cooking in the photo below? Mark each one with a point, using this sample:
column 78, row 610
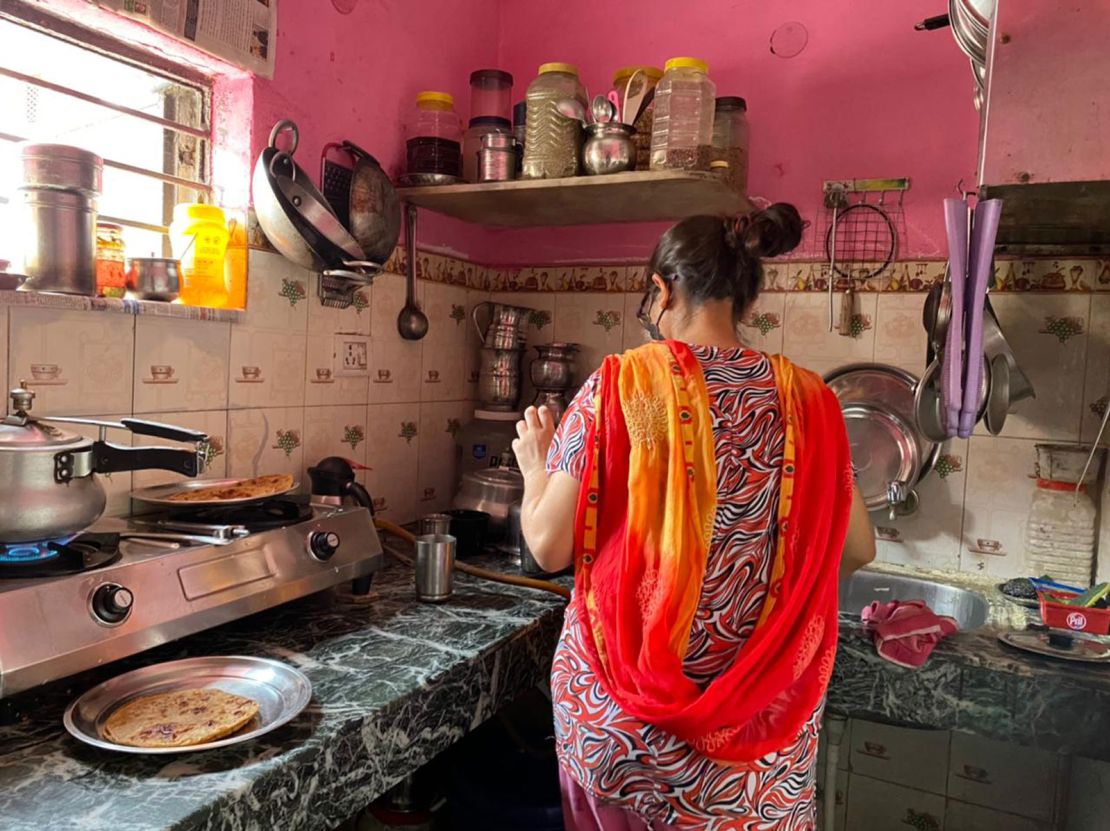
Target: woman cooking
column 705, row 494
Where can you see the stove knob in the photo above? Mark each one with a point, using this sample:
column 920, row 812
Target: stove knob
column 323, row 544
column 112, row 603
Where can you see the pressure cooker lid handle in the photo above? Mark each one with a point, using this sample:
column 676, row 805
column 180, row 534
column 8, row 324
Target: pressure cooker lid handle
column 162, row 431
column 112, row 458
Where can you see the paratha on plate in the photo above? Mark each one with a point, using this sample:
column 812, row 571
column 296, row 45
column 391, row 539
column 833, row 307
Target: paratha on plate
column 255, row 488
column 179, row 719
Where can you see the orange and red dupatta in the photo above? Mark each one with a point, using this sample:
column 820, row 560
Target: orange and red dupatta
column 643, row 528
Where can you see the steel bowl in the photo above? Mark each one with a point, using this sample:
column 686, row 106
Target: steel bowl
column 608, row 149
column 154, row 278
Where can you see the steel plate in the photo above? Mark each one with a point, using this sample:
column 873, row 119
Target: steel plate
column 1086, row 649
column 280, row 690
column 160, row 494
column 887, row 388
column 884, row 450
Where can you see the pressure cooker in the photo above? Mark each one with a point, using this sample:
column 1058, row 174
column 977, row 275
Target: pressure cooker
column 48, row 484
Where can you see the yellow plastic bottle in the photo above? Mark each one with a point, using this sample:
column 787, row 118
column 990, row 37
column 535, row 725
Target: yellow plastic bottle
column 199, row 237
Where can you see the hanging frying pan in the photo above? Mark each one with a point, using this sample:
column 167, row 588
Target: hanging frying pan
column 374, row 207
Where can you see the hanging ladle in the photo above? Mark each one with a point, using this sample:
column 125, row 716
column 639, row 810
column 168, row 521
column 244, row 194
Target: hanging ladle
column 411, row 322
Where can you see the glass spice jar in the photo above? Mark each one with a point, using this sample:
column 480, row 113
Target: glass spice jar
column 111, row 274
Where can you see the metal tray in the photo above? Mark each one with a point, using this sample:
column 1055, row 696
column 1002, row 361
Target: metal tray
column 160, row 494
column 887, row 387
column 280, row 690
column 884, row 450
column 1087, row 649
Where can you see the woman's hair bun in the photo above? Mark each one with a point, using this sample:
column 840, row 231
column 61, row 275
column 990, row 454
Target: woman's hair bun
column 769, row 232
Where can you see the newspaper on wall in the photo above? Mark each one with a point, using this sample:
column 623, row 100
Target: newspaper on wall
column 242, row 32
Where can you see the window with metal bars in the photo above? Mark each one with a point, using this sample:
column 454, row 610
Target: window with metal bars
column 148, row 119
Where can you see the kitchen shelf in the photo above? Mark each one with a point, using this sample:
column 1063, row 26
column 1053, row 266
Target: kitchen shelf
column 74, row 302
column 639, row 196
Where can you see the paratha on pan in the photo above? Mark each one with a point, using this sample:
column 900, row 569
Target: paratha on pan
column 246, row 489
column 179, row 719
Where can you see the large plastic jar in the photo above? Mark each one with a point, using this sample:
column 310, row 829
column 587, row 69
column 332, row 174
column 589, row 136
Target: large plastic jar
column 685, row 102
column 552, row 141
column 199, row 237
column 434, row 136
column 491, row 93
column 633, row 80
column 731, row 139
column 472, row 142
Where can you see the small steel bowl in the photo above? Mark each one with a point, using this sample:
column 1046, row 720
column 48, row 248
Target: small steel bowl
column 608, row 149
column 154, row 278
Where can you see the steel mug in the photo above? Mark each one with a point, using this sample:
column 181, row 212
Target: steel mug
column 435, row 567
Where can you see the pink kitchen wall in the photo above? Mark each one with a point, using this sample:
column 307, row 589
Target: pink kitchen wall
column 355, row 76
column 868, row 96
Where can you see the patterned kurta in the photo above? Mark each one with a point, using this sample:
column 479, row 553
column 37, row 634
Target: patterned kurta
column 616, row 757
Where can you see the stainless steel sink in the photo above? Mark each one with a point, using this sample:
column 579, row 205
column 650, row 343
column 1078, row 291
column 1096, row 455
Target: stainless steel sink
column 969, row 608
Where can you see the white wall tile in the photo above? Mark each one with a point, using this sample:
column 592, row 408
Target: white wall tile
column 1088, row 795
column 277, row 293
column 190, row 358
column 443, row 375
column 396, row 368
column 904, row 756
column 1048, row 334
column 634, row 332
column 84, row 360
column 594, row 320
column 873, row 805
column 265, row 441
column 899, row 335
column 808, row 341
column 439, row 424
column 761, row 327
column 989, row 773
column 324, row 385
column 932, row 536
column 962, row 816
column 267, row 368
column 214, row 423
column 393, row 453
column 1096, row 387
column 334, row 431
column 996, row 503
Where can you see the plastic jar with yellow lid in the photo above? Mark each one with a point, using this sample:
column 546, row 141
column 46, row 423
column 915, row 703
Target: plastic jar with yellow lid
column 198, row 237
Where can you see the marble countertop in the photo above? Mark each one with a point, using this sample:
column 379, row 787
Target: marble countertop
column 395, row 682
column 974, row 683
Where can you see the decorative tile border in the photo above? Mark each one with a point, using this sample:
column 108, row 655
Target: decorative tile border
column 113, row 304
column 1011, row 274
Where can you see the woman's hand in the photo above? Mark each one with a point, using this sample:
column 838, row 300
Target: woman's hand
column 536, row 431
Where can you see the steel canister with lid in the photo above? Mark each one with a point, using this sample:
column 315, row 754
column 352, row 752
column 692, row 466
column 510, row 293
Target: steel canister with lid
column 497, row 159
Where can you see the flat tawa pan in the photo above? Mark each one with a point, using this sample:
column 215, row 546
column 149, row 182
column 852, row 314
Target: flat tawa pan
column 160, row 494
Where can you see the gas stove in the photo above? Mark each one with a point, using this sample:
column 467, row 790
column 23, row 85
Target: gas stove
column 133, row 584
